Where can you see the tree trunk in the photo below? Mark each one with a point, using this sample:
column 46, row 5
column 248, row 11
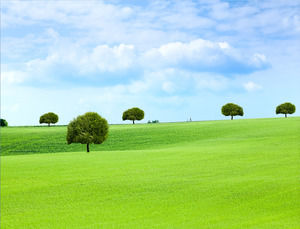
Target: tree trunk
column 132, row 121
column 231, row 117
column 48, row 124
column 88, row 148
column 285, row 115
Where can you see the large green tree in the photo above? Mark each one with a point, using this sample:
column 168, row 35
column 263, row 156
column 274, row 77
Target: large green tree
column 285, row 108
column 49, row 118
column 3, row 122
column 86, row 129
column 133, row 114
column 231, row 109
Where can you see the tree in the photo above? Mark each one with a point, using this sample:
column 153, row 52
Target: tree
column 231, row 109
column 133, row 114
column 3, row 122
column 285, row 108
column 49, row 118
column 86, row 129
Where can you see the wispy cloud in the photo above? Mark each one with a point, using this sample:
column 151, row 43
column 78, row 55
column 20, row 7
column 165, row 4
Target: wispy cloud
column 207, row 56
column 251, row 86
column 110, row 61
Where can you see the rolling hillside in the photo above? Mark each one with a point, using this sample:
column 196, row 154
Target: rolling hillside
column 216, row 174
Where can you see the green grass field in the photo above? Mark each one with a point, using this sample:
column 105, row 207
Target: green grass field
column 214, row 174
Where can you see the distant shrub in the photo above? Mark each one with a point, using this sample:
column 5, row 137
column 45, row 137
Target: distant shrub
column 49, row 118
column 3, row 122
column 231, row 109
column 133, row 114
column 285, row 108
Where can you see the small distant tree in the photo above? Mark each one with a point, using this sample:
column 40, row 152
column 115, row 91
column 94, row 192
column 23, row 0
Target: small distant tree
column 285, row 108
column 231, row 109
column 49, row 118
column 86, row 129
column 3, row 122
column 133, row 114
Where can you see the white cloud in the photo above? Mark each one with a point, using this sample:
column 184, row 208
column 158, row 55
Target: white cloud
column 203, row 55
column 196, row 51
column 75, row 13
column 158, row 22
column 110, row 59
column 72, row 61
column 258, row 60
column 251, row 86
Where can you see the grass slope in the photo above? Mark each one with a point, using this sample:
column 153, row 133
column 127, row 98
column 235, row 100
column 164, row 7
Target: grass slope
column 222, row 174
column 32, row 140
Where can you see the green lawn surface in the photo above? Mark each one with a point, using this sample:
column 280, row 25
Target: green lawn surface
column 213, row 174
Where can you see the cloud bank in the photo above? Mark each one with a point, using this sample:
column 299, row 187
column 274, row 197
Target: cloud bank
column 126, row 62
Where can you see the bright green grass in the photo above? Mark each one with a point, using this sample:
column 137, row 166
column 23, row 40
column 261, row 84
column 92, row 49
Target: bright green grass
column 29, row 140
column 218, row 174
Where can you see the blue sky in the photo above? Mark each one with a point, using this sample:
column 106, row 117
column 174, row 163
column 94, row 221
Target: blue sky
column 173, row 59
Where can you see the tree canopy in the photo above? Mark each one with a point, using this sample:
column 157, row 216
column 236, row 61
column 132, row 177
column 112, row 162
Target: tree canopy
column 285, row 108
column 88, row 128
column 49, row 118
column 133, row 114
column 231, row 109
column 3, row 122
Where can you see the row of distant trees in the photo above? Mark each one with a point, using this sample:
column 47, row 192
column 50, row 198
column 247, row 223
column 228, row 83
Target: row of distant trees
column 92, row 128
column 136, row 114
column 133, row 114
column 231, row 109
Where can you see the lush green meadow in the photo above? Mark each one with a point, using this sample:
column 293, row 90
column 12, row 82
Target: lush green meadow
column 214, row 174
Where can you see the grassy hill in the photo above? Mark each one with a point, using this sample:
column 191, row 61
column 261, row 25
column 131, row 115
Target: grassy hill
column 215, row 174
column 29, row 140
